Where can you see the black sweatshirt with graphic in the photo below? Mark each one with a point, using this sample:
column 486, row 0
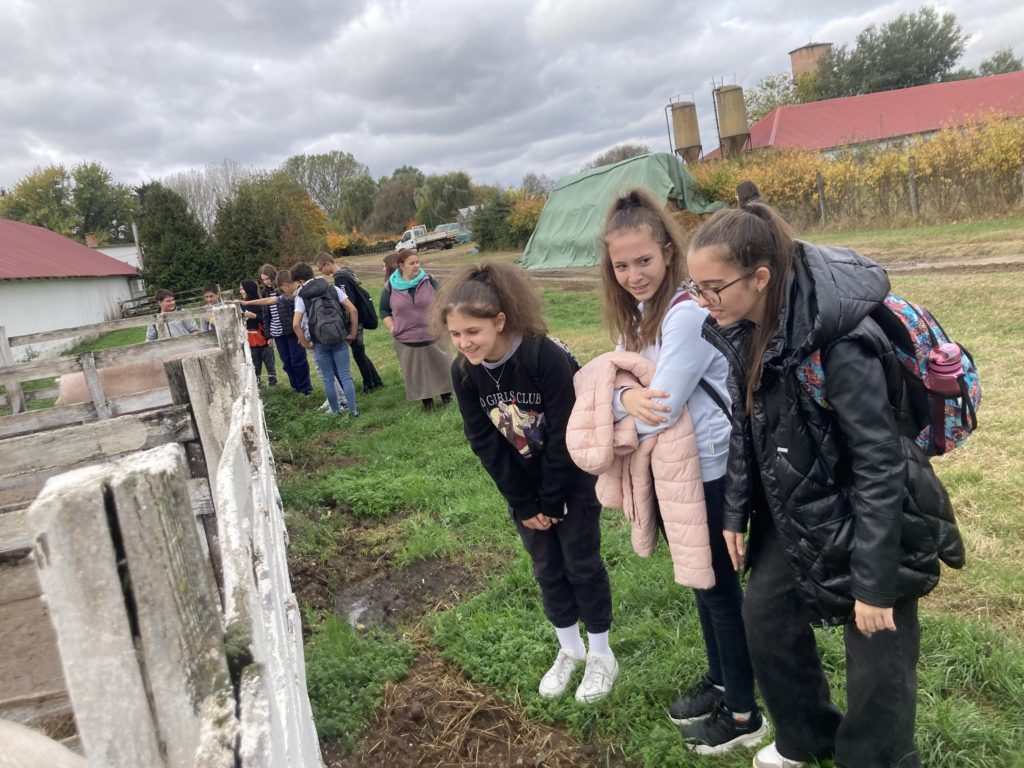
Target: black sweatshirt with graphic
column 515, row 417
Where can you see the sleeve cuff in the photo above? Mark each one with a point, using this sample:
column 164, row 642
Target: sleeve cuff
column 526, row 511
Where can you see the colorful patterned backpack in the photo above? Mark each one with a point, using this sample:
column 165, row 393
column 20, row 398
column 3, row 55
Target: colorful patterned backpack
column 941, row 376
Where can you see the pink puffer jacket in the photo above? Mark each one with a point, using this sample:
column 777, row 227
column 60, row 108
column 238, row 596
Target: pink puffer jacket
column 625, row 465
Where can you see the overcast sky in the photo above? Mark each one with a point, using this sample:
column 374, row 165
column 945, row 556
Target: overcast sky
column 494, row 88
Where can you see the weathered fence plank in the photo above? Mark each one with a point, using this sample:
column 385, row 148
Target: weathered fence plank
column 94, row 442
column 14, row 396
column 78, row 569
column 67, row 415
column 176, row 604
column 151, row 350
column 92, row 381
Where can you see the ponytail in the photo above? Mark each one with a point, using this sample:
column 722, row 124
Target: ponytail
column 751, row 236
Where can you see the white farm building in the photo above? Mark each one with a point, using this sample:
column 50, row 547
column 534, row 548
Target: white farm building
column 48, row 282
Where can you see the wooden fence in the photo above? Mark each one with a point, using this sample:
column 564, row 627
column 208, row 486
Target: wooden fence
column 161, row 556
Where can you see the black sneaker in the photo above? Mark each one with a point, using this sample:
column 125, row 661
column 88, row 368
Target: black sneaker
column 721, row 732
column 696, row 704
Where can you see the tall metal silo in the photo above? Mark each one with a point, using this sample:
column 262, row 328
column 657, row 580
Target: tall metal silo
column 685, row 134
column 731, row 113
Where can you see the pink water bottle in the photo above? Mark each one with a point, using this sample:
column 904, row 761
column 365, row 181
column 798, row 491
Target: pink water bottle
column 945, row 367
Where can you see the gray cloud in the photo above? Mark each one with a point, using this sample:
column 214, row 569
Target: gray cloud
column 495, row 89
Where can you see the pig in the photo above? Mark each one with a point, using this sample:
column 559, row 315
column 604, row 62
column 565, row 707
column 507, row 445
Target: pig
column 24, row 747
column 116, row 380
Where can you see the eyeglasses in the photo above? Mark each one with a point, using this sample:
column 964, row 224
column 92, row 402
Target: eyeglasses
column 712, row 296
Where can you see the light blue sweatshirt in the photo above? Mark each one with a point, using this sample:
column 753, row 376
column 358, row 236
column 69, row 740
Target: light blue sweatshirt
column 683, row 358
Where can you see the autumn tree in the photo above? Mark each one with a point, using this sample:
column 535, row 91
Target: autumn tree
column 270, row 219
column 356, row 202
column 536, row 185
column 779, row 90
column 1001, row 62
column 177, row 252
column 913, row 49
column 44, row 198
column 85, row 200
column 393, row 207
column 103, row 207
column 439, row 198
column 325, row 177
column 617, row 154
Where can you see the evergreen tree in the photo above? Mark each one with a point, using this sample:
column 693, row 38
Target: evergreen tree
column 176, row 254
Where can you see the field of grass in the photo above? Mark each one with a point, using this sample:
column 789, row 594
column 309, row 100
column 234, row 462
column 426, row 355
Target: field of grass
column 417, row 479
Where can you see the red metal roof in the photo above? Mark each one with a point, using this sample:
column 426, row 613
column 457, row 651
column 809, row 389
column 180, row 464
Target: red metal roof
column 887, row 115
column 27, row 251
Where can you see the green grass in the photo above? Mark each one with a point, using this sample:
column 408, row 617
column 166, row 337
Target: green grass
column 971, row 707
column 345, row 676
column 986, row 230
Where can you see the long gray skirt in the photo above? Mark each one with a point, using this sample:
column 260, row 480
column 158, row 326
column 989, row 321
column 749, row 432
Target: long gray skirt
column 426, row 371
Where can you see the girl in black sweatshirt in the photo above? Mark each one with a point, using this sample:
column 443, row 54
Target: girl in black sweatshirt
column 514, row 388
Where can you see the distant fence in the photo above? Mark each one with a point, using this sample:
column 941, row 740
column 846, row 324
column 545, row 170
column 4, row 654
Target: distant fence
column 162, row 559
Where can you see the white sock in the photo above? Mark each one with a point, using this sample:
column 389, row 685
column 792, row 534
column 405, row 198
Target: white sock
column 598, row 643
column 570, row 640
column 741, row 717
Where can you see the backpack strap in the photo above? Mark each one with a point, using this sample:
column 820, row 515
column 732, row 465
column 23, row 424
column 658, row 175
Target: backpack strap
column 703, row 383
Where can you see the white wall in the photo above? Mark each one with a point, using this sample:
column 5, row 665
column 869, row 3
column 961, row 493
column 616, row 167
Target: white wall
column 34, row 306
column 127, row 253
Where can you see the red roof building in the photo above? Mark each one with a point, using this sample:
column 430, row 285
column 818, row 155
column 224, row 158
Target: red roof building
column 27, row 251
column 888, row 115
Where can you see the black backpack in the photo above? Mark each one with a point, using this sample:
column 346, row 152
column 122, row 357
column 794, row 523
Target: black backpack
column 358, row 296
column 327, row 318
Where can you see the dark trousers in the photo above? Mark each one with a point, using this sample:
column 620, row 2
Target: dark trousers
column 295, row 363
column 568, row 566
column 877, row 730
column 264, row 356
column 720, row 610
column 367, row 371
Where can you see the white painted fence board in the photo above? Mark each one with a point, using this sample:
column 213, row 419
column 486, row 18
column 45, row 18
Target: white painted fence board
column 78, row 570
column 94, row 329
column 14, row 394
column 181, row 648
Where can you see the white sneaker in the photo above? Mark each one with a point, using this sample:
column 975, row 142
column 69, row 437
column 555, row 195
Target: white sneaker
column 326, row 406
column 598, row 678
column 556, row 679
column 769, row 757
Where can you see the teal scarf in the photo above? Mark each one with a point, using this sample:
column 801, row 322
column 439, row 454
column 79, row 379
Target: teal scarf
column 398, row 284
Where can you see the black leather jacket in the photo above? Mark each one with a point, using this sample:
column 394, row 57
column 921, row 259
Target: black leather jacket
column 856, row 504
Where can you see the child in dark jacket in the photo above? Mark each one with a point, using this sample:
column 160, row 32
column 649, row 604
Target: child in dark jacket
column 260, row 350
column 293, row 356
column 515, row 392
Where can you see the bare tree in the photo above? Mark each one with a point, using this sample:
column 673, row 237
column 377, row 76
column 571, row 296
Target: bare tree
column 204, row 190
column 617, row 154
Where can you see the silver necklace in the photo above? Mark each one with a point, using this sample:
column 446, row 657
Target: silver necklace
column 497, row 381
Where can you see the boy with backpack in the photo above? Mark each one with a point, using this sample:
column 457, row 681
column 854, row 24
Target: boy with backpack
column 326, row 322
column 346, row 279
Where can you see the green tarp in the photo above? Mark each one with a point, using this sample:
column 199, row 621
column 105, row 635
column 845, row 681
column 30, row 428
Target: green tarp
column 570, row 224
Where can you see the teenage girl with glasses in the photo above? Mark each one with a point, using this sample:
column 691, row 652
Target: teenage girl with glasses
column 647, row 311
column 514, row 388
column 848, row 522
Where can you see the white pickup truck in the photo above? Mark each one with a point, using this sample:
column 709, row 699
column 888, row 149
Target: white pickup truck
column 419, row 239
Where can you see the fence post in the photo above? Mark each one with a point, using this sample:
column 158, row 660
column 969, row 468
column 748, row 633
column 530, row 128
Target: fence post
column 15, row 397
column 132, row 598
column 92, row 381
column 915, row 208
column 821, row 196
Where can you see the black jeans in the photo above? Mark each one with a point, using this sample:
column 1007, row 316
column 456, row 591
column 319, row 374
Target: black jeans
column 568, row 566
column 367, row 371
column 721, row 613
column 877, row 730
column 264, row 356
column 720, row 610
